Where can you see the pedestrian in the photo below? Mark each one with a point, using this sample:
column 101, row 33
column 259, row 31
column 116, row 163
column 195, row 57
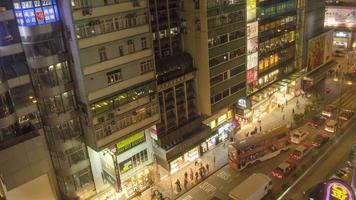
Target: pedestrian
column 191, row 174
column 196, row 163
column 255, row 129
column 178, row 186
column 204, row 170
column 246, row 134
column 196, row 176
column 207, row 167
column 260, row 129
column 293, row 111
column 185, row 175
column 185, row 183
column 201, row 174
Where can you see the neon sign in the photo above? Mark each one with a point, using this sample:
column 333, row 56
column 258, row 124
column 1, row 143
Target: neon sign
column 338, row 190
column 36, row 12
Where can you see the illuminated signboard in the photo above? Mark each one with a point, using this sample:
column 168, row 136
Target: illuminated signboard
column 36, row 12
column 338, row 190
column 130, row 142
column 340, row 16
column 251, row 10
column 251, row 75
column 252, row 60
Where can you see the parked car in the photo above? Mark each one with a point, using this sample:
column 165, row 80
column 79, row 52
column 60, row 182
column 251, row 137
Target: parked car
column 298, row 136
column 315, row 192
column 316, row 122
column 327, row 111
column 343, row 174
column 283, row 170
column 331, row 126
column 300, row 151
column 346, row 114
column 320, row 140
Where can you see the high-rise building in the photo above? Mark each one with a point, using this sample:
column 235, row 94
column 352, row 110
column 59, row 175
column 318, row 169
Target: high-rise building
column 215, row 35
column 271, row 80
column 180, row 132
column 25, row 165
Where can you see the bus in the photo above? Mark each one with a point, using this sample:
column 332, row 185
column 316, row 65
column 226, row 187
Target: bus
column 258, row 148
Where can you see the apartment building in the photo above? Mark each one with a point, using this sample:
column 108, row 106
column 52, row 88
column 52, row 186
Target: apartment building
column 26, row 170
column 215, row 35
column 112, row 51
column 178, row 136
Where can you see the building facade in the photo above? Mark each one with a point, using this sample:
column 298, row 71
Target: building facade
column 25, row 164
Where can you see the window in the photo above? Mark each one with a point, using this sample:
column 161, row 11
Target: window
column 226, row 93
column 219, row 59
column 237, row 70
column 237, row 87
column 102, row 54
column 146, row 66
column 114, row 76
column 144, row 43
column 121, row 51
column 216, row 79
column 217, row 97
column 131, row 46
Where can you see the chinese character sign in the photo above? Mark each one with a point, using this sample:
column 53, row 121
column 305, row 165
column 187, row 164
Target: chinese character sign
column 36, row 12
column 338, row 190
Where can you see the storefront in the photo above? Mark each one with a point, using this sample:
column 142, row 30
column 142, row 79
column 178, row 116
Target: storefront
column 184, row 160
column 341, row 40
column 138, row 182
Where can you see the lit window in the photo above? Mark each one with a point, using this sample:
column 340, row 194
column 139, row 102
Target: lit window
column 114, row 76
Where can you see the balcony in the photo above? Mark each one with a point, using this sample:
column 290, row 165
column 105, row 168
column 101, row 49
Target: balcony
column 90, row 11
column 129, row 122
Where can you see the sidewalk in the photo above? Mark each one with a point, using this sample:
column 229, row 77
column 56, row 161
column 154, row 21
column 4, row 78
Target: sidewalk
column 269, row 121
column 275, row 118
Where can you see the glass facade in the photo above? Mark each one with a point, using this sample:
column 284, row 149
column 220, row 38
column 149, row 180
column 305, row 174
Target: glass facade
column 53, row 75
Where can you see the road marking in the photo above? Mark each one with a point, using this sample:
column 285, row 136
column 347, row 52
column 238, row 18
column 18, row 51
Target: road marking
column 224, row 175
column 207, row 187
column 188, row 197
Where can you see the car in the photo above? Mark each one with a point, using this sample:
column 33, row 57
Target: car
column 343, row 174
column 298, row 136
column 316, row 122
column 283, row 169
column 346, row 114
column 331, row 126
column 327, row 111
column 300, row 151
column 320, row 140
column 315, row 192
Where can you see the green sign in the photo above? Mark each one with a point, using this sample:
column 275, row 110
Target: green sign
column 130, row 142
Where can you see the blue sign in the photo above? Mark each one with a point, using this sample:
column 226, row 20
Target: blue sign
column 36, row 12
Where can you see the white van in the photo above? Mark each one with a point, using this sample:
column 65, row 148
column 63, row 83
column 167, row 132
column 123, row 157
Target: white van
column 298, row 136
column 254, row 187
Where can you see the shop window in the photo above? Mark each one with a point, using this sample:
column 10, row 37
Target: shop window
column 102, row 54
column 114, row 76
column 133, row 162
column 222, row 119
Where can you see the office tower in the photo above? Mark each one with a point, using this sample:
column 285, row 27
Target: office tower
column 215, row 35
column 272, row 70
column 178, row 136
column 25, row 165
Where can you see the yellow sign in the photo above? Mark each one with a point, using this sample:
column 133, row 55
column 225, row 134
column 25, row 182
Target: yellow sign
column 130, row 142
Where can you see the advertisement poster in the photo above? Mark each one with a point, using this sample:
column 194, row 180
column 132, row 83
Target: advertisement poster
column 251, row 10
column 252, row 30
column 340, row 16
column 251, row 75
column 319, row 50
column 252, row 60
column 252, row 45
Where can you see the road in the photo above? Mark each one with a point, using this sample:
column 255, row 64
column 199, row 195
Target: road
column 218, row 185
column 327, row 166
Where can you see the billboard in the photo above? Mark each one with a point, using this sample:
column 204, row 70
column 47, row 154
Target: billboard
column 251, row 10
column 319, row 50
column 252, row 60
column 251, row 76
column 337, row 16
column 252, row 30
column 338, row 190
column 36, row 12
